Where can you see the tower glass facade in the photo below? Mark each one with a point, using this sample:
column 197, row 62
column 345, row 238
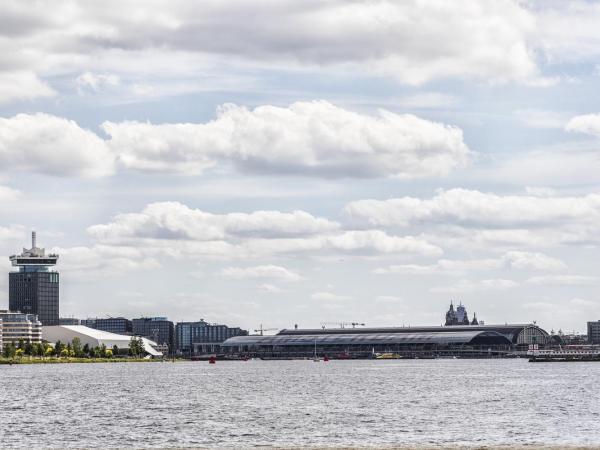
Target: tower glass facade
column 34, row 289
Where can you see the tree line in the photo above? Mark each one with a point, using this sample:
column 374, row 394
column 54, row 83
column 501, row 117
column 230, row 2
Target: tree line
column 73, row 349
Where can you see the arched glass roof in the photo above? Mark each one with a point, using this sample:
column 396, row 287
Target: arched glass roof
column 458, row 337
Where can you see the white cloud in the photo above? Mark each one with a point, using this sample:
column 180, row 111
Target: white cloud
column 472, row 208
column 100, row 260
column 173, row 220
column 510, row 260
column 569, row 31
column 96, row 81
column 495, row 284
column 460, row 217
column 404, row 40
column 174, row 229
column 563, row 280
column 587, row 124
column 308, row 138
column 329, row 296
column 8, row 194
column 267, row 271
column 22, row 85
column 532, row 261
column 41, row 143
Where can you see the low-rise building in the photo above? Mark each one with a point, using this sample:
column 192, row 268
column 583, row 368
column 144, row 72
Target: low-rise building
column 16, row 327
column 69, row 321
column 119, row 325
column 158, row 329
column 202, row 337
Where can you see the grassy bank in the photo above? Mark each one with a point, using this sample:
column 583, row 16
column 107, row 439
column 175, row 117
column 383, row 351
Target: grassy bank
column 53, row 360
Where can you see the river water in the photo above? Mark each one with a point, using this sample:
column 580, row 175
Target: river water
column 411, row 403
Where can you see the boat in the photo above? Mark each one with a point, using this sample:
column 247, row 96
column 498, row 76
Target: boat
column 577, row 353
column 388, row 355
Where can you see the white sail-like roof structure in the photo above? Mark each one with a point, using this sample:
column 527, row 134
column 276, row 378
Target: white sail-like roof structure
column 93, row 337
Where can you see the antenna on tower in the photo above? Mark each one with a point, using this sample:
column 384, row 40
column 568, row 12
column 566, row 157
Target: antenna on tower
column 33, row 239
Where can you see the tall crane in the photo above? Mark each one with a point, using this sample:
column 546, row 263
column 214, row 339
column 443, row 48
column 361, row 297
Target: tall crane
column 343, row 324
column 262, row 330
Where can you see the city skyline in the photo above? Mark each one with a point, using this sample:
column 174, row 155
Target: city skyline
column 264, row 178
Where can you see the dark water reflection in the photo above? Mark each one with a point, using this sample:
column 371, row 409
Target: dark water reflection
column 300, row 403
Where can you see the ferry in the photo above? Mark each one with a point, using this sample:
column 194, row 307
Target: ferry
column 574, row 353
column 387, row 356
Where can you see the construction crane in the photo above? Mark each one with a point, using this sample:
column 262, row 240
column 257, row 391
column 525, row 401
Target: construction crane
column 343, row 324
column 262, row 330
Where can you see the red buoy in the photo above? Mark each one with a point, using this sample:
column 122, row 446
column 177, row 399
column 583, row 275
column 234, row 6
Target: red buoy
column 212, row 360
column 325, row 358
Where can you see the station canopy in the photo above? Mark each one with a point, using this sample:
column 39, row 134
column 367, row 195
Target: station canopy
column 473, row 337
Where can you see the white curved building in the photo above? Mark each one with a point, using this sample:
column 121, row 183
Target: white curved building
column 94, row 338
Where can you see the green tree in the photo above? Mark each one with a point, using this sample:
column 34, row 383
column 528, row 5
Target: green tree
column 115, row 350
column 136, row 347
column 103, row 351
column 86, row 350
column 29, row 348
column 58, row 347
column 77, row 349
column 9, row 350
column 108, row 353
column 21, row 343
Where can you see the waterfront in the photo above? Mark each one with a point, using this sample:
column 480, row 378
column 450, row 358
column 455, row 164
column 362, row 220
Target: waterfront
column 413, row 403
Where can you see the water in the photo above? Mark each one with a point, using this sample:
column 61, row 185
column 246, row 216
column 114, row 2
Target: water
column 412, row 403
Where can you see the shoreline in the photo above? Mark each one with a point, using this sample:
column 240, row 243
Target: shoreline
column 27, row 361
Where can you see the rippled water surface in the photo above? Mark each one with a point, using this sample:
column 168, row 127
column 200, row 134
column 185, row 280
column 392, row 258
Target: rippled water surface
column 300, row 403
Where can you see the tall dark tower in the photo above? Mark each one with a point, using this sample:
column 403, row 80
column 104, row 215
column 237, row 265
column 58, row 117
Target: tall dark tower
column 34, row 288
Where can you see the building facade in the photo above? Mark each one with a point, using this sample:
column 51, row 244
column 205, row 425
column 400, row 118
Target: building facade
column 16, row 327
column 118, row 325
column 459, row 316
column 157, row 329
column 593, row 332
column 194, row 337
column 34, row 289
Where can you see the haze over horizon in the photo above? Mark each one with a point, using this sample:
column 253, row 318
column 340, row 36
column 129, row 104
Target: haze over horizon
column 304, row 163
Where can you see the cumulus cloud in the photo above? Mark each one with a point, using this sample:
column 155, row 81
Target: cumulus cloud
column 587, row 124
column 461, row 215
column 267, row 271
column 100, row 260
column 175, row 229
column 308, row 138
column 173, row 220
column 22, row 85
column 510, row 260
column 8, row 194
column 46, row 144
column 475, row 208
column 404, row 40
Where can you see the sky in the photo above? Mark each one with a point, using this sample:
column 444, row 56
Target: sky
column 312, row 163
